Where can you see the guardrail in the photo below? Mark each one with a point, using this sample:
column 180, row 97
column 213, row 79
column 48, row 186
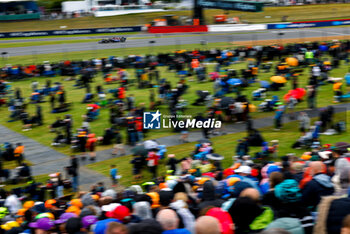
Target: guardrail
column 178, row 29
column 70, row 32
column 181, row 29
column 309, row 24
column 236, row 27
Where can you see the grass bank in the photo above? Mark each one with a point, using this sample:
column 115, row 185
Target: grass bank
column 269, row 15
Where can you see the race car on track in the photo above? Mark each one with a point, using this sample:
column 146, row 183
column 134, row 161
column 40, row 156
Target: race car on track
column 112, row 40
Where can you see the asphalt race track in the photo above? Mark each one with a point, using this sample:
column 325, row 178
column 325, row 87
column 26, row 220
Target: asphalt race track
column 176, row 40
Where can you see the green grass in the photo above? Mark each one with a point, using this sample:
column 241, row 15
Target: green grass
column 270, row 14
column 78, row 39
column 58, row 37
column 41, row 43
column 224, row 145
column 121, row 51
column 13, row 164
column 37, row 179
column 42, row 135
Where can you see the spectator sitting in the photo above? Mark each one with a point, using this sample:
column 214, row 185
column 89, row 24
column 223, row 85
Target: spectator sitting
column 331, row 212
column 207, row 225
column 319, row 186
column 169, row 221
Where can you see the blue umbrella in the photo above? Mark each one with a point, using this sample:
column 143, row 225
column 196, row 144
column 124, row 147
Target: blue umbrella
column 222, row 83
column 323, row 48
column 184, row 72
column 264, row 84
column 234, row 81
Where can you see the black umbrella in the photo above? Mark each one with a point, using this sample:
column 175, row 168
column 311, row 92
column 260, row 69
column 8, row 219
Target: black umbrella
column 139, row 150
column 202, row 94
column 202, row 141
column 226, row 101
column 216, row 157
column 342, row 146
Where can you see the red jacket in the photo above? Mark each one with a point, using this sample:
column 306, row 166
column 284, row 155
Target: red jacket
column 153, row 156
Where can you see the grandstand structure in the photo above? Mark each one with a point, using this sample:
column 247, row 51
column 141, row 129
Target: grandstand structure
column 18, row 10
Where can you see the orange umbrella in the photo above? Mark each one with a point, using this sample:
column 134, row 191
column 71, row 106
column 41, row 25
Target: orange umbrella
column 291, row 61
column 91, row 135
column 337, row 86
column 278, row 79
column 252, row 108
column 94, row 106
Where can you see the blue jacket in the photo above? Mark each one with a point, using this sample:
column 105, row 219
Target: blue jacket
column 113, row 172
column 177, row 231
column 319, row 186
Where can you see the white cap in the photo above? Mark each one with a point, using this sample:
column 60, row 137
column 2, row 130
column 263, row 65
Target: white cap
column 110, row 207
column 324, row 154
column 244, row 169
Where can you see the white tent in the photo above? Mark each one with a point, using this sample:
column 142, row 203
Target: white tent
column 6, row 1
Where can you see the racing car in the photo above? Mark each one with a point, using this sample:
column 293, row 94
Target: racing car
column 112, row 40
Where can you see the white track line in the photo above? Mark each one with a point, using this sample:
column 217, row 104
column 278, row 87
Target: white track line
column 327, row 32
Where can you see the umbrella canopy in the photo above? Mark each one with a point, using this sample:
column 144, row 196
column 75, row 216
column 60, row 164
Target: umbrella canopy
column 216, row 157
column 139, row 150
column 337, row 85
column 291, row 61
column 202, row 93
column 323, row 48
column 298, row 93
column 94, row 106
column 226, row 101
column 342, row 146
column 202, row 141
column 150, row 144
column 91, row 135
column 278, row 79
column 252, row 108
column 214, row 75
column 234, row 81
column 264, row 84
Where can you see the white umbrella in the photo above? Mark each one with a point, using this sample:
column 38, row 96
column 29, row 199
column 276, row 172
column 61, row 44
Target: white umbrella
column 215, row 157
column 150, row 144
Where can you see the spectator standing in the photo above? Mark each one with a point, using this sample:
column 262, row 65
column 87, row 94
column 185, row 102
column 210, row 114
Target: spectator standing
column 311, row 96
column 118, row 148
column 19, row 153
column 13, row 203
column 152, row 162
column 39, row 115
column 73, row 171
column 113, row 172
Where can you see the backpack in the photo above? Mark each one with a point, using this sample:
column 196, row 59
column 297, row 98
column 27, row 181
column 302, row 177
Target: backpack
column 340, row 126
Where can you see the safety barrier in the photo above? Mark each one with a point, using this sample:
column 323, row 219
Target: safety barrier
column 236, row 27
column 70, row 32
column 178, row 29
column 309, row 24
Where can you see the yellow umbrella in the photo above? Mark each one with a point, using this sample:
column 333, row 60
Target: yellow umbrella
column 278, row 79
column 292, row 61
column 327, row 63
column 252, row 108
column 337, row 86
column 306, row 156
